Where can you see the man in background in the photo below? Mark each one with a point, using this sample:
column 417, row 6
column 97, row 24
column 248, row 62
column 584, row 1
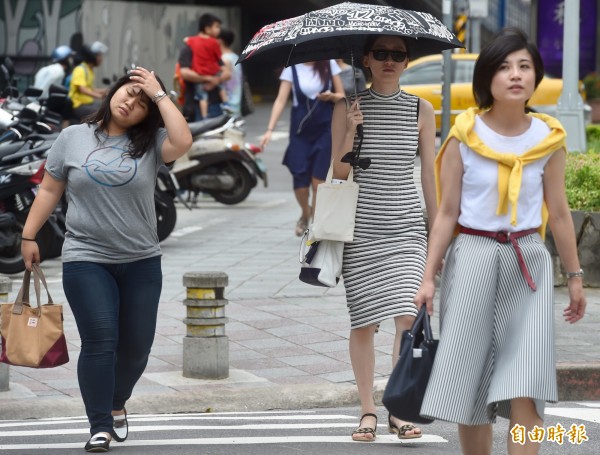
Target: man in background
column 211, row 84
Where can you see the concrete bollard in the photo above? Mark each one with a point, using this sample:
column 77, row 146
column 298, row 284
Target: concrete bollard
column 5, row 288
column 205, row 346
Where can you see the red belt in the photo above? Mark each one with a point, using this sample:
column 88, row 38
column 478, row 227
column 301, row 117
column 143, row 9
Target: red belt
column 508, row 237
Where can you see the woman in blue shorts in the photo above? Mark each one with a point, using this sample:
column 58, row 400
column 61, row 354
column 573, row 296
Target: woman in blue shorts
column 315, row 87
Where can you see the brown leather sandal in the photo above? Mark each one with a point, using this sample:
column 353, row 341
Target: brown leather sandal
column 403, row 429
column 365, row 430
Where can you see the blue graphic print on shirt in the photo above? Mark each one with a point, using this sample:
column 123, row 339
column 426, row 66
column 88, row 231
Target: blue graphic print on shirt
column 111, row 166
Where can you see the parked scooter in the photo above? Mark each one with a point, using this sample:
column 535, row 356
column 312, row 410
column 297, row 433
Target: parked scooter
column 18, row 187
column 165, row 192
column 219, row 162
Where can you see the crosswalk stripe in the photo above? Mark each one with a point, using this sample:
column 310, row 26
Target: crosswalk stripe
column 169, row 418
column 171, row 428
column 384, row 439
column 589, row 415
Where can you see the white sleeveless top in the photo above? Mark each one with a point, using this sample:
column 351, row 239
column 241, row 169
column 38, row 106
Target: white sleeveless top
column 479, row 197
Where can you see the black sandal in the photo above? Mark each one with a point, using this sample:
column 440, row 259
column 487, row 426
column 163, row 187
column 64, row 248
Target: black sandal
column 99, row 442
column 365, row 430
column 403, row 429
column 120, row 429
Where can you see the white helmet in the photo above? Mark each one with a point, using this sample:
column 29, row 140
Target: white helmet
column 61, row 53
column 98, row 48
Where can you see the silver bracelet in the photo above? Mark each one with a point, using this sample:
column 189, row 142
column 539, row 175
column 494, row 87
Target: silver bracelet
column 578, row 274
column 156, row 100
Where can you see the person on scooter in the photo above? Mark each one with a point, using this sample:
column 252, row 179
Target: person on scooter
column 111, row 255
column 85, row 97
column 62, row 61
column 54, row 74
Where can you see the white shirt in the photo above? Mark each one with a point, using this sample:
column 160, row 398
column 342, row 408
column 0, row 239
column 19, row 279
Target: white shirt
column 309, row 80
column 479, row 198
column 48, row 75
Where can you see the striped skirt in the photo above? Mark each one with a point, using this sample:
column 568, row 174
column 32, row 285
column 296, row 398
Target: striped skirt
column 382, row 276
column 496, row 334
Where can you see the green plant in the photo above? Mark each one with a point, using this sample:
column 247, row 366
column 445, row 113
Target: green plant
column 582, row 180
column 592, row 135
column 591, row 83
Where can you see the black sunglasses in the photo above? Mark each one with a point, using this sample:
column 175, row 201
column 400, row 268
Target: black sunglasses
column 381, row 55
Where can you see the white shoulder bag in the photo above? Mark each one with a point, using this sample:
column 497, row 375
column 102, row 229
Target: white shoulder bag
column 335, row 209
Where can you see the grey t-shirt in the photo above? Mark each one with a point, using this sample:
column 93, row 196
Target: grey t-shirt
column 111, row 216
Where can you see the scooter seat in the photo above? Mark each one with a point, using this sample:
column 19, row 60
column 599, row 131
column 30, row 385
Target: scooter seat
column 206, row 125
column 10, row 148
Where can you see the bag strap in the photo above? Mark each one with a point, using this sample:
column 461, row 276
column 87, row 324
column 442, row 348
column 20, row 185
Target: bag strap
column 23, row 295
column 39, row 275
column 329, row 177
column 422, row 323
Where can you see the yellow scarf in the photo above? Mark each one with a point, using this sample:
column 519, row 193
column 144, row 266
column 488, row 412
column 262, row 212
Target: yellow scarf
column 510, row 166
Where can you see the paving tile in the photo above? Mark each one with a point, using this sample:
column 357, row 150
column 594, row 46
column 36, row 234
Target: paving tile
column 315, row 337
column 298, row 360
column 298, row 380
column 259, row 344
column 339, row 377
column 328, row 346
column 256, row 364
column 287, row 351
column 292, row 329
column 269, row 323
column 285, row 372
column 245, row 354
column 330, row 366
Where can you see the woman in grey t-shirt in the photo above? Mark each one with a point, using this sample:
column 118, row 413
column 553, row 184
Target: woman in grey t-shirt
column 111, row 258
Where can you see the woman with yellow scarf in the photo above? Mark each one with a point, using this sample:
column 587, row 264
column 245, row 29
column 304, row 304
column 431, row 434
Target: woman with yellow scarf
column 500, row 179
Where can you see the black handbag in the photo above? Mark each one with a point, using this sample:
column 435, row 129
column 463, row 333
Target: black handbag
column 406, row 387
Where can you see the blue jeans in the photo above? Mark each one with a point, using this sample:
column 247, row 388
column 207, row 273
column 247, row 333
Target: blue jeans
column 115, row 308
column 214, row 110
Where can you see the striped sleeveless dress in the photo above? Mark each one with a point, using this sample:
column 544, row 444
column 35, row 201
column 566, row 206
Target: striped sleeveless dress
column 384, row 264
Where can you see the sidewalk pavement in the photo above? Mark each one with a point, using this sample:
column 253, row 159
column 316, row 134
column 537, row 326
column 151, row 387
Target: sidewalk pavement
column 288, row 341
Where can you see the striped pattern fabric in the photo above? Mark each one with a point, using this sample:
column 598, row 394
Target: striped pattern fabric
column 496, row 334
column 384, row 264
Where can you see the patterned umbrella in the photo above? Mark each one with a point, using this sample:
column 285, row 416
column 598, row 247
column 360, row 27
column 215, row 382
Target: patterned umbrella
column 340, row 31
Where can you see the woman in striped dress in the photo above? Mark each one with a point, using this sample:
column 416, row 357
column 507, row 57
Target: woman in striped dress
column 383, row 265
column 499, row 171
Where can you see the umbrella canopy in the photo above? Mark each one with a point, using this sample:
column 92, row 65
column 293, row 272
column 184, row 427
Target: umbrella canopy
column 339, row 31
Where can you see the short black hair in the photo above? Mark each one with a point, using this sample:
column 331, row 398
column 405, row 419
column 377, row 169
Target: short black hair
column 227, row 36
column 207, row 20
column 507, row 41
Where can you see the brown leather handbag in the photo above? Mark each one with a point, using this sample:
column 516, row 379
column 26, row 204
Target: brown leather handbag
column 33, row 336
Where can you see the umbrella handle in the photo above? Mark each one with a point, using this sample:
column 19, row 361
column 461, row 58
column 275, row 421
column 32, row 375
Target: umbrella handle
column 359, row 130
